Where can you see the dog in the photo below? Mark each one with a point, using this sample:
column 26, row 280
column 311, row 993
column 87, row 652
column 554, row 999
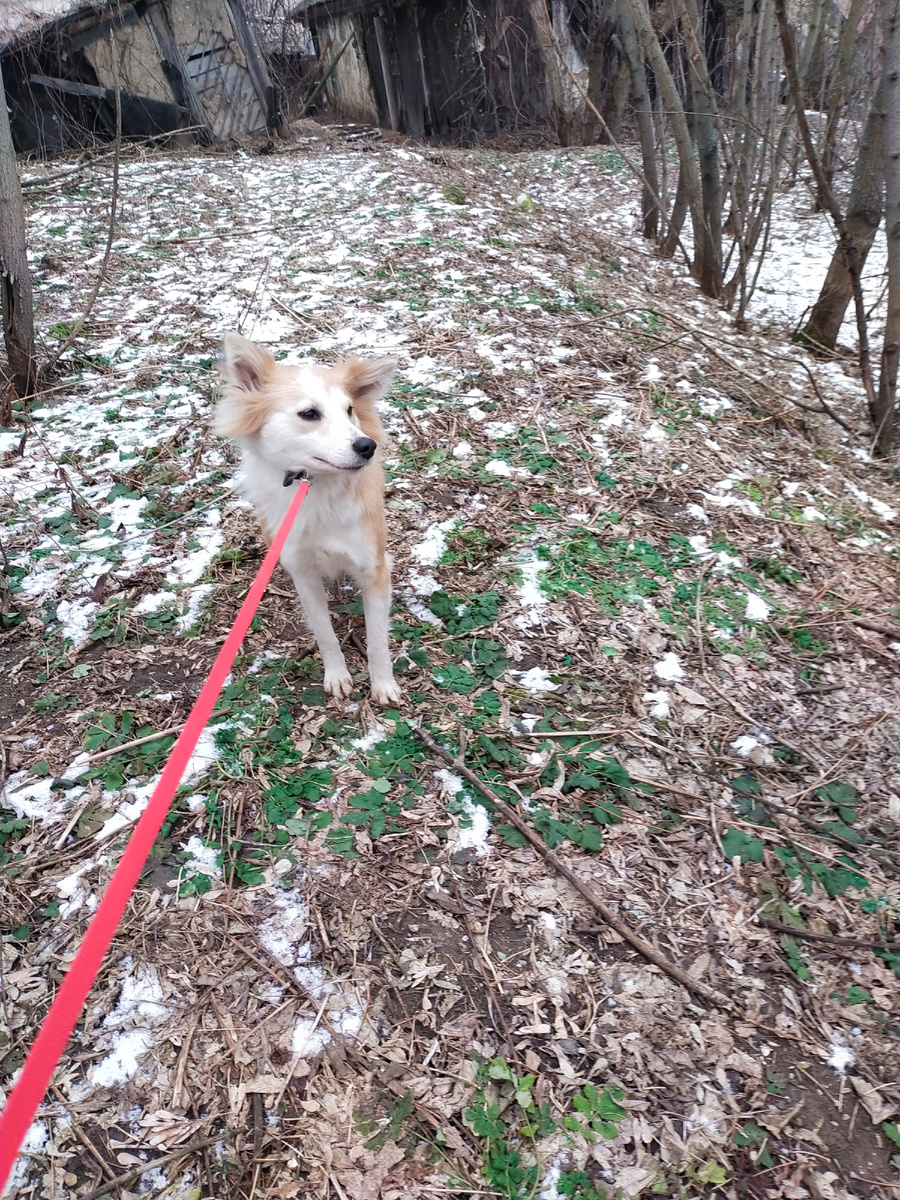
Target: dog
column 291, row 420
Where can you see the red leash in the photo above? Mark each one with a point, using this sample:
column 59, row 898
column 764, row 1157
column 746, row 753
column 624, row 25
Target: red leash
column 64, row 1011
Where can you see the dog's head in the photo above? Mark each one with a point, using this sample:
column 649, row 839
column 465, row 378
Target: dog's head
column 302, row 418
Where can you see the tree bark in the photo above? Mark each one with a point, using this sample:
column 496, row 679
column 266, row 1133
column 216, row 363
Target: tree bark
column 707, row 252
column 837, row 95
column 15, row 277
column 847, row 246
column 703, row 100
column 886, row 402
column 669, row 244
column 644, row 114
column 555, row 84
column 864, row 212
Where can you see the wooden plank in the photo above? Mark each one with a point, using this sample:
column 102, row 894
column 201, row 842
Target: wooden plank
column 255, row 60
column 385, row 61
column 171, row 58
column 70, row 86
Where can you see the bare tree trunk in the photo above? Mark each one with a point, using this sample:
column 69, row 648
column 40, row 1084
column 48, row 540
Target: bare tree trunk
column 555, row 84
column 707, row 251
column 616, row 99
column 704, row 105
column 837, row 96
column 15, row 278
column 864, row 211
column 644, row 113
column 847, row 245
column 676, row 220
column 886, row 402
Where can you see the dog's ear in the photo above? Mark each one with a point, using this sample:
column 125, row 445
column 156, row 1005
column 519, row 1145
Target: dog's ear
column 366, row 380
column 245, row 365
column 246, row 370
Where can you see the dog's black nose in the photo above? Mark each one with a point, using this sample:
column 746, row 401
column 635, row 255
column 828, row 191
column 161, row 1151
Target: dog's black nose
column 364, row 447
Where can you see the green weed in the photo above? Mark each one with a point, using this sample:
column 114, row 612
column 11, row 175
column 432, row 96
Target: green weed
column 598, row 1113
column 756, row 1140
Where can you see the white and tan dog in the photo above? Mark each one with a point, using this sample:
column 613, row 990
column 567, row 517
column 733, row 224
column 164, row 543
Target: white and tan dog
column 323, row 422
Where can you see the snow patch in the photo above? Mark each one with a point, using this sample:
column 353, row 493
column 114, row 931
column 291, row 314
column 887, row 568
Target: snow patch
column 659, row 702
column 531, row 597
column 368, row 740
column 536, row 680
column 756, row 609
column 840, row 1058
column 669, row 668
column 76, row 618
column 202, row 859
column 433, row 545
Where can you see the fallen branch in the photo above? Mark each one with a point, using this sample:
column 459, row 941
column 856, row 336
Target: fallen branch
column 142, row 741
column 891, row 631
column 859, row 943
column 135, row 1173
column 611, row 918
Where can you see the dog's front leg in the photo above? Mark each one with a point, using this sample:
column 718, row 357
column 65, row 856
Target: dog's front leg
column 314, row 600
column 376, row 594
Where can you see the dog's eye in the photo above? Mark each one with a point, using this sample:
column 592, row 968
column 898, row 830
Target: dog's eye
column 350, row 411
column 309, row 414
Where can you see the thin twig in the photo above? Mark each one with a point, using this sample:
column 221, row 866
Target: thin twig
column 560, row 733
column 106, row 1170
column 110, row 235
column 612, row 919
column 142, row 741
column 825, row 406
column 891, row 631
column 860, row 943
column 128, row 1177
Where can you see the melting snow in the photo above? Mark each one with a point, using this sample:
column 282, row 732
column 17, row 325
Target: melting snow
column 76, row 618
column 531, row 597
column 840, row 1058
column 669, row 668
column 474, row 836
column 433, row 545
column 121, row 1064
column 284, row 936
column 32, row 800
column 652, row 373
column 203, row 859
column 536, row 680
column 34, row 1142
column 659, row 701
column 756, row 609
column 368, row 740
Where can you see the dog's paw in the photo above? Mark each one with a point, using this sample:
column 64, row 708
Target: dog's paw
column 339, row 684
column 388, row 692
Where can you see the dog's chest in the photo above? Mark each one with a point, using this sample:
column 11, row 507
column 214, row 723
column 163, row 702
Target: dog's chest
column 335, row 536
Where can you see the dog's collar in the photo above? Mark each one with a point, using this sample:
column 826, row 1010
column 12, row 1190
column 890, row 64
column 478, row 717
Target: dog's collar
column 295, row 477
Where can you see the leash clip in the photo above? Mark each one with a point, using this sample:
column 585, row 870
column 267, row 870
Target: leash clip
column 295, row 477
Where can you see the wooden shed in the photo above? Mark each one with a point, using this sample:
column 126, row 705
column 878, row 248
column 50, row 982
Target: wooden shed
column 447, row 69
column 166, row 65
